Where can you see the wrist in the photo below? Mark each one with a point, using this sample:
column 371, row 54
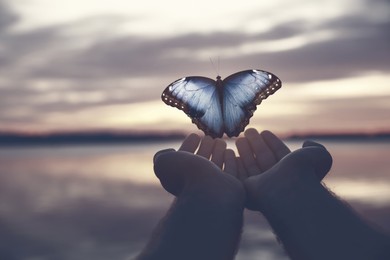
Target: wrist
column 300, row 197
column 277, row 189
column 229, row 193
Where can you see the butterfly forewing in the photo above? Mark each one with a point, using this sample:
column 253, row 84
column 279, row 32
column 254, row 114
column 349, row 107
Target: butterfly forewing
column 242, row 91
column 198, row 98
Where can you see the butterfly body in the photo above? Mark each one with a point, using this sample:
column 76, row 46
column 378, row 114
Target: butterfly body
column 221, row 106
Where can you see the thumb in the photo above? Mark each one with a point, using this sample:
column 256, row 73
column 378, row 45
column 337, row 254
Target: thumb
column 324, row 160
column 165, row 170
column 319, row 156
column 161, row 152
column 314, row 156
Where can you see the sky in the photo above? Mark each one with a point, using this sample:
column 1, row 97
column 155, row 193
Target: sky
column 102, row 65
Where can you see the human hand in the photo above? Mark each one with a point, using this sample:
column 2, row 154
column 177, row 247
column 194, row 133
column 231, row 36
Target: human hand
column 196, row 168
column 270, row 170
column 206, row 217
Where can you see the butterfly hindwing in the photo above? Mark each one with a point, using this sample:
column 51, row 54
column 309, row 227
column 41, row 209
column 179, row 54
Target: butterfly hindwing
column 199, row 99
column 242, row 92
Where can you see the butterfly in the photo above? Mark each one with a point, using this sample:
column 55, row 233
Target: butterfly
column 221, row 106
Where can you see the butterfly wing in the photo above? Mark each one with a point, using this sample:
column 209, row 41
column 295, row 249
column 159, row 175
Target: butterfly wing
column 198, row 97
column 242, row 92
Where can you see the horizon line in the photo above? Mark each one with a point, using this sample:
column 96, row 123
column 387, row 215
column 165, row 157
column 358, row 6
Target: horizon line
column 105, row 137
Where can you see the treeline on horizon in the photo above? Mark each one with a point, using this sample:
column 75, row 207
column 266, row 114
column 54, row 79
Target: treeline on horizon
column 132, row 137
column 85, row 138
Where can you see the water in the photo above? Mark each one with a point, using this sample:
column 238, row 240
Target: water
column 102, row 202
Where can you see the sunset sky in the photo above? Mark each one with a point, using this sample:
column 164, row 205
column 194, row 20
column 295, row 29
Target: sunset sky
column 91, row 65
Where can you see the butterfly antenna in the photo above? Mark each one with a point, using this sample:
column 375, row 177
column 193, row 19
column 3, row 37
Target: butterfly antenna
column 212, row 64
column 218, row 65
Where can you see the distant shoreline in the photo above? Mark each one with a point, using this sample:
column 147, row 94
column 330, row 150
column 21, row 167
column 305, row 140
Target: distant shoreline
column 77, row 138
column 342, row 136
column 12, row 139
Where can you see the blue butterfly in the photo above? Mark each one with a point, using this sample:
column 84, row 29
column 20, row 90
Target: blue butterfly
column 221, row 106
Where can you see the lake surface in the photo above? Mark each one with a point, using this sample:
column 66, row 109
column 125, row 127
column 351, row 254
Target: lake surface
column 102, row 202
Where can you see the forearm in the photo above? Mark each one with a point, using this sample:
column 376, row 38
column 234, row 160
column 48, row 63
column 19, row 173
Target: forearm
column 313, row 224
column 193, row 229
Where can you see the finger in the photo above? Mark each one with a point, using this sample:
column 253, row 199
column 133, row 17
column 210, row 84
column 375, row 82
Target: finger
column 315, row 157
column 217, row 156
column 276, row 145
column 190, row 143
column 322, row 160
column 206, row 147
column 321, row 173
column 161, row 152
column 170, row 177
column 264, row 157
column 247, row 156
column 242, row 173
column 230, row 163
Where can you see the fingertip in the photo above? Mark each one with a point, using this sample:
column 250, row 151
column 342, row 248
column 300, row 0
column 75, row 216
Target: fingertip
column 325, row 157
column 275, row 144
column 230, row 162
column 166, row 170
column 220, row 143
column 309, row 143
column 321, row 159
column 206, row 147
column 229, row 155
column 243, row 146
column 326, row 165
column 190, row 143
column 194, row 138
column 251, row 132
column 193, row 135
column 155, row 157
column 268, row 134
column 241, row 172
column 217, row 155
column 269, row 137
column 230, row 152
column 240, row 141
column 266, row 131
column 209, row 138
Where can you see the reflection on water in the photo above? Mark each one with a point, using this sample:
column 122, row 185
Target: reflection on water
column 101, row 202
column 361, row 172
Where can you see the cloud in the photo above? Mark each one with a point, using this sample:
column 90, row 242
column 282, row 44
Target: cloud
column 357, row 48
column 7, row 18
column 53, row 69
column 359, row 43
